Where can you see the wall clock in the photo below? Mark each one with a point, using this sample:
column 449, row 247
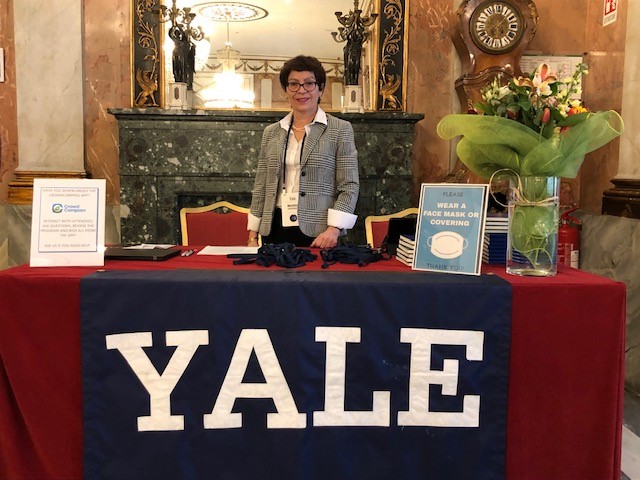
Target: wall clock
column 490, row 37
column 496, row 27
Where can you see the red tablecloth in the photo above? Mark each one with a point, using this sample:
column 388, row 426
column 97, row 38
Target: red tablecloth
column 566, row 379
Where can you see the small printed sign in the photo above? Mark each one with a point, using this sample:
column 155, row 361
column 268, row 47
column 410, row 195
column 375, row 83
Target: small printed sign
column 67, row 227
column 451, row 228
column 563, row 66
column 610, row 12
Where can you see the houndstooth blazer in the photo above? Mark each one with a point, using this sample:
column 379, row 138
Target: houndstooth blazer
column 328, row 175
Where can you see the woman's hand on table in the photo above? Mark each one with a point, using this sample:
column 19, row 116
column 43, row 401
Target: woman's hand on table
column 253, row 239
column 327, row 239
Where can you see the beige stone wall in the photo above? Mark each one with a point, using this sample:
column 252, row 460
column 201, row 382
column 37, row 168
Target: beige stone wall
column 107, row 59
column 629, row 158
column 8, row 109
column 430, row 80
column 49, row 85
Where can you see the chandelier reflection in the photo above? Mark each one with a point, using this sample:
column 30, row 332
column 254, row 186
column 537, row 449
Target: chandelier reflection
column 229, row 89
column 354, row 31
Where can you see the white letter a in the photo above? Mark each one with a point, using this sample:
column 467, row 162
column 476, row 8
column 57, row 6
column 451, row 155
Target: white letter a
column 275, row 386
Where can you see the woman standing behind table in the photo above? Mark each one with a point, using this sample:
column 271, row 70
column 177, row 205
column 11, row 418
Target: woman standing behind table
column 310, row 201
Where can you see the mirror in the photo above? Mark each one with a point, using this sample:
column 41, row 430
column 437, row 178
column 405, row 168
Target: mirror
column 244, row 56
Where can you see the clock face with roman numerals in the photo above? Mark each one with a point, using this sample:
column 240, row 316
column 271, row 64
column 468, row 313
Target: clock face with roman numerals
column 496, row 27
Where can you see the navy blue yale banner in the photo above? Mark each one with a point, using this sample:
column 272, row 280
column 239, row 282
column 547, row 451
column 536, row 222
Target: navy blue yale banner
column 294, row 375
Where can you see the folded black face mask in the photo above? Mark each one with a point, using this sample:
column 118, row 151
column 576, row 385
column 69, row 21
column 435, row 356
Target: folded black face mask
column 361, row 255
column 281, row 254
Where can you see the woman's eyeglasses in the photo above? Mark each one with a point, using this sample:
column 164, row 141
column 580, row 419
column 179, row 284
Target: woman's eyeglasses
column 295, row 86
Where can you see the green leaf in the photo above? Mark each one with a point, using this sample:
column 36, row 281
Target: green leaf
column 548, row 129
column 484, row 160
column 525, row 105
column 572, row 120
column 557, row 116
column 532, row 231
column 562, row 154
column 492, row 143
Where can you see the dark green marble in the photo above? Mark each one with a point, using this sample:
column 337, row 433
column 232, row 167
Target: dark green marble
column 171, row 159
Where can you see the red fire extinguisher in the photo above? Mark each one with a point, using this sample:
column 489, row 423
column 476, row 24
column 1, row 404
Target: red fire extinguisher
column 569, row 239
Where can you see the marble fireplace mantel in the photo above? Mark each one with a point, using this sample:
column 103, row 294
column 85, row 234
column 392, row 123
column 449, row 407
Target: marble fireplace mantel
column 171, row 159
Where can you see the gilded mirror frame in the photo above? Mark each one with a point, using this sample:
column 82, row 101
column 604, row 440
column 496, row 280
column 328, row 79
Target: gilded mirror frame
column 390, row 35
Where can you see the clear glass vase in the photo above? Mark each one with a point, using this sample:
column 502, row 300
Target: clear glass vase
column 532, row 246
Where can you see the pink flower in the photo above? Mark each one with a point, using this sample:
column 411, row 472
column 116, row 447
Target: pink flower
column 542, row 80
column 546, row 116
column 545, row 73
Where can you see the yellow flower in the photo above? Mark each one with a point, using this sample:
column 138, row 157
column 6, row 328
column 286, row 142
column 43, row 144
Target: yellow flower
column 523, row 82
column 503, row 92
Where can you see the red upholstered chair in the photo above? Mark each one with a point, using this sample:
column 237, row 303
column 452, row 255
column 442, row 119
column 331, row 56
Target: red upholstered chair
column 377, row 226
column 221, row 223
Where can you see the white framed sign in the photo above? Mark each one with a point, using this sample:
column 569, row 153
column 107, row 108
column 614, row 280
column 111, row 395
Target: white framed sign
column 67, row 226
column 562, row 66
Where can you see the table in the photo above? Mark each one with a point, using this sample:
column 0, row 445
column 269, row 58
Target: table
column 566, row 376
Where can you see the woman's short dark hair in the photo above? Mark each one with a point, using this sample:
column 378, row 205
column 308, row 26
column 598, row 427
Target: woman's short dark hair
column 302, row 63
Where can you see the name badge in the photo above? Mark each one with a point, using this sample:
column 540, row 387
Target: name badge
column 289, row 209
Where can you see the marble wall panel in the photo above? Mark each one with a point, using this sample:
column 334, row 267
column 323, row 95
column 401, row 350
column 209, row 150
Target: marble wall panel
column 430, row 71
column 8, row 107
column 107, row 64
column 18, row 221
column 4, row 238
column 561, row 28
column 629, row 159
column 170, row 160
column 610, row 38
column 15, row 232
column 48, row 43
column 611, row 247
column 602, row 91
column 605, row 47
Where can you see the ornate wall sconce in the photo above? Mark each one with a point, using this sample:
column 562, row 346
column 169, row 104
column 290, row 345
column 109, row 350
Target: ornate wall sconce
column 354, row 32
column 183, row 36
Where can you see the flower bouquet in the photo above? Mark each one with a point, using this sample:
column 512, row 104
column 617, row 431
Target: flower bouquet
column 533, row 128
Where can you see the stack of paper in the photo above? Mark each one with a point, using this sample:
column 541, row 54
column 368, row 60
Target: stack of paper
column 218, row 250
column 496, row 224
column 406, row 249
column 495, row 240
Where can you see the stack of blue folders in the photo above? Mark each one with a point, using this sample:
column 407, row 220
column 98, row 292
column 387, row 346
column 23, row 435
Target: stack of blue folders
column 406, row 249
column 494, row 250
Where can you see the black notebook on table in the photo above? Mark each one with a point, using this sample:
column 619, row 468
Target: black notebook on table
column 124, row 253
column 397, row 227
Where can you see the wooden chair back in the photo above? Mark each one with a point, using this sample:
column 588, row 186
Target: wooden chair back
column 221, row 223
column 377, row 226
